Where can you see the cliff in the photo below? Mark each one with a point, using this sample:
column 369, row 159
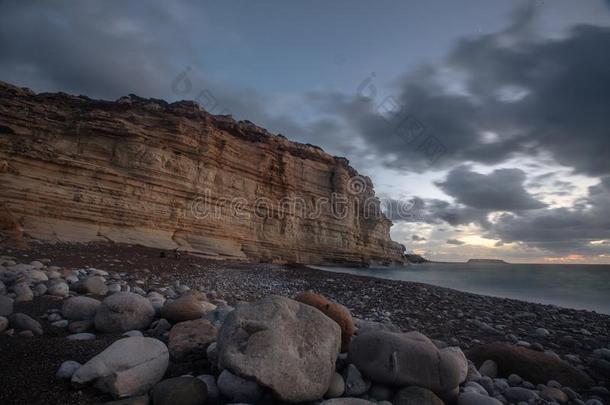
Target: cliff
column 143, row 171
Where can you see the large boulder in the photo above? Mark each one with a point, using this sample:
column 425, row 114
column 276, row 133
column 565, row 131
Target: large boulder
column 189, row 306
column 124, row 311
column 334, row 311
column 536, row 367
column 191, row 338
column 408, row 359
column 80, row 308
column 128, row 367
column 283, row 344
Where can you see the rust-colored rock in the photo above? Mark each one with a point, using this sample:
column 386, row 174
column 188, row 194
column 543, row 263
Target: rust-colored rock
column 533, row 366
column 334, row 311
column 143, row 171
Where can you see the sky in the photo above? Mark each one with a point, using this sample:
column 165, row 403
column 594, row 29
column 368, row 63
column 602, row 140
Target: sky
column 486, row 122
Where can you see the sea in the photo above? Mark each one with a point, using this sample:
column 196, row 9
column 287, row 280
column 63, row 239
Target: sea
column 566, row 285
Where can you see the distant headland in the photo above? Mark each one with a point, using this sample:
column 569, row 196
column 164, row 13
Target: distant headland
column 486, row 261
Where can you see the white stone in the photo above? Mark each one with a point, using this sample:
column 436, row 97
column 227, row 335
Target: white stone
column 127, row 367
column 81, row 336
column 67, row 370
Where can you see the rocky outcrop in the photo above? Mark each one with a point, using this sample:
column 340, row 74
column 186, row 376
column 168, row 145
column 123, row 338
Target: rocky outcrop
column 147, row 172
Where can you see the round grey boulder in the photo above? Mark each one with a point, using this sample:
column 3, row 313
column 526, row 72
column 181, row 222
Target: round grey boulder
column 80, row 308
column 122, row 312
column 282, row 344
column 405, row 359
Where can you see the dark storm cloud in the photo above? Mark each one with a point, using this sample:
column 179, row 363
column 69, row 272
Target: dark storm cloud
column 528, row 221
column 436, row 212
column 116, row 48
column 417, row 238
column 100, row 49
column 536, row 94
column 566, row 93
column 561, row 229
column 476, row 196
column 501, row 190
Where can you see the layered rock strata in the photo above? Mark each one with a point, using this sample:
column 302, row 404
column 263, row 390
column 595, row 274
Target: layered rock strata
column 143, row 171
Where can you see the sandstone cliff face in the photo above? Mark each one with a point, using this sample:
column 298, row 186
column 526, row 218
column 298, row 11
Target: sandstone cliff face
column 143, row 171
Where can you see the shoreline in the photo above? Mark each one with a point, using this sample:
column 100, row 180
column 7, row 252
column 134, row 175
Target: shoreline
column 350, row 271
column 448, row 316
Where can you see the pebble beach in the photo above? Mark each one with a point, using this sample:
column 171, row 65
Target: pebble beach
column 97, row 323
